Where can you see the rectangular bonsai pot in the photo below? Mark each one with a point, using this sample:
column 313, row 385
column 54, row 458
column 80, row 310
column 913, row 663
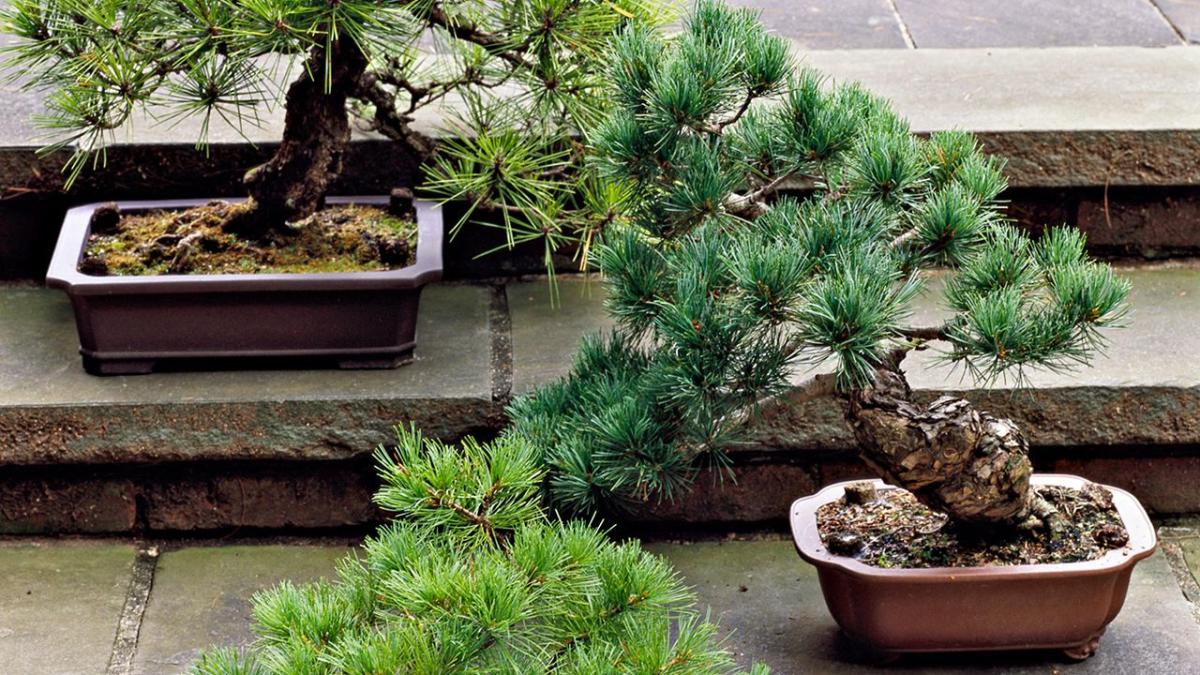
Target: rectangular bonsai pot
column 134, row 324
column 1062, row 606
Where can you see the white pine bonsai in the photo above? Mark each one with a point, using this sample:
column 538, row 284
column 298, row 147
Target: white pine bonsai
column 721, row 288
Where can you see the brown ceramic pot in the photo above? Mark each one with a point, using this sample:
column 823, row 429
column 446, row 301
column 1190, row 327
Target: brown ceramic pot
column 131, row 325
column 1063, row 606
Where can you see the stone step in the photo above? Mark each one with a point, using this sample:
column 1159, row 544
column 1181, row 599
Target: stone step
column 148, row 608
column 290, row 449
column 1104, row 138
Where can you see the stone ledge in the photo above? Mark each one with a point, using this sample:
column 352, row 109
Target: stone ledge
column 271, row 450
column 52, row 413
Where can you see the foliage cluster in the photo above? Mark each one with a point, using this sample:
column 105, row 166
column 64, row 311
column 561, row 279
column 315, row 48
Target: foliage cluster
column 523, row 75
column 722, row 290
column 473, row 577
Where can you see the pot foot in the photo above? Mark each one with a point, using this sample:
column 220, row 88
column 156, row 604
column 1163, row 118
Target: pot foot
column 376, row 363
column 1085, row 650
column 96, row 366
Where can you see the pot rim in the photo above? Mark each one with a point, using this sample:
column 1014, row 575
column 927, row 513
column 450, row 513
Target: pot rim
column 1142, row 542
column 64, row 265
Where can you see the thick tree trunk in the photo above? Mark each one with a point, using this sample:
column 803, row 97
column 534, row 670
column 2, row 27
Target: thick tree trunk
column 969, row 465
column 293, row 183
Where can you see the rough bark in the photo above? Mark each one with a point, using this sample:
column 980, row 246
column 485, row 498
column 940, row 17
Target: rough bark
column 292, row 185
column 967, row 464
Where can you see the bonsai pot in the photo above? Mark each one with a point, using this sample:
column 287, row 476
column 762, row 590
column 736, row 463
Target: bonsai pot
column 1063, row 606
column 135, row 324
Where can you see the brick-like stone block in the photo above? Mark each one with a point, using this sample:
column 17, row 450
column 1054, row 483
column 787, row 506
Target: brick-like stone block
column 38, row 504
column 1148, row 223
column 1163, row 484
column 310, row 498
column 760, row 493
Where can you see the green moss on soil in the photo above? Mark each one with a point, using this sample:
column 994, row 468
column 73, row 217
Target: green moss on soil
column 897, row 531
column 343, row 238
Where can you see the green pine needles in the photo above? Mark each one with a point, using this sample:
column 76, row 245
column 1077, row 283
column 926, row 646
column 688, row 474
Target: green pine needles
column 516, row 78
column 722, row 290
column 473, row 577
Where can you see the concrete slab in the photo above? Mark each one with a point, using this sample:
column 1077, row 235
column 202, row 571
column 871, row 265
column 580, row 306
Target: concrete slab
column 1077, row 88
column 59, row 605
column 51, row 410
column 832, row 24
column 1033, row 23
column 544, row 336
column 39, row 359
column 201, row 597
column 772, row 603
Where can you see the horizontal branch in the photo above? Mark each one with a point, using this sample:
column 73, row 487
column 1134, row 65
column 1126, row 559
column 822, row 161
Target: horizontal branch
column 813, row 388
column 739, row 204
column 925, row 333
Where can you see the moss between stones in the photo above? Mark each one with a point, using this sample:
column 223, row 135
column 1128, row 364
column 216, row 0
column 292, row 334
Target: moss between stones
column 343, row 238
column 895, row 530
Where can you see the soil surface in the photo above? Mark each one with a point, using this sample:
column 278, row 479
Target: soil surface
column 343, row 238
column 893, row 529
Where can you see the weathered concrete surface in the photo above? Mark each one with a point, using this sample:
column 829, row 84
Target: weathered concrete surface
column 40, row 502
column 831, row 24
column 771, row 601
column 1034, row 23
column 1039, row 108
column 201, row 597
column 59, row 605
column 52, row 412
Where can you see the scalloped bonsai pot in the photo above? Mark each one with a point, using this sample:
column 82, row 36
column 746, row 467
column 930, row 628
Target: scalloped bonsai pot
column 132, row 325
column 1064, row 606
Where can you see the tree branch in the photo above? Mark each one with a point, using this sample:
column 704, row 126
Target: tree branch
column 924, row 333
column 813, row 388
column 495, row 44
column 740, row 204
column 904, row 237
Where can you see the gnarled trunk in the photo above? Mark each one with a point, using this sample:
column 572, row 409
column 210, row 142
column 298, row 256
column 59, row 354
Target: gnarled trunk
column 969, row 465
column 293, row 183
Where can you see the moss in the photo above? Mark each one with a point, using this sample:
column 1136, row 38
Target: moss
column 344, row 238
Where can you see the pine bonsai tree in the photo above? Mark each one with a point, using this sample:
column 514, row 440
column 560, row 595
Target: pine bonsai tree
column 526, row 71
column 722, row 290
column 473, row 577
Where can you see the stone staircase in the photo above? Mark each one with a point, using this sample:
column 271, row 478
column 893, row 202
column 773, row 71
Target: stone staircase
column 290, row 449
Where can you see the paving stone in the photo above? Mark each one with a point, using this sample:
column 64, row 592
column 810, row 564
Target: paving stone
column 771, row 601
column 545, row 336
column 59, row 605
column 1184, row 15
column 991, row 90
column 1191, row 554
column 1034, row 23
column 201, row 597
column 831, row 24
column 51, row 411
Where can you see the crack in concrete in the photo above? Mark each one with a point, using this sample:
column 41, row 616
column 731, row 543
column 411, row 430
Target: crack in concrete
column 500, row 329
column 141, row 580
column 1168, row 540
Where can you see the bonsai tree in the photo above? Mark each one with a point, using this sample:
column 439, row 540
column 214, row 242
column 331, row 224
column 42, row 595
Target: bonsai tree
column 525, row 72
column 723, row 291
column 473, row 576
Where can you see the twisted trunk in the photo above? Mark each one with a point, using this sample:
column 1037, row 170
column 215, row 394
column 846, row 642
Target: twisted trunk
column 959, row 461
column 292, row 185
